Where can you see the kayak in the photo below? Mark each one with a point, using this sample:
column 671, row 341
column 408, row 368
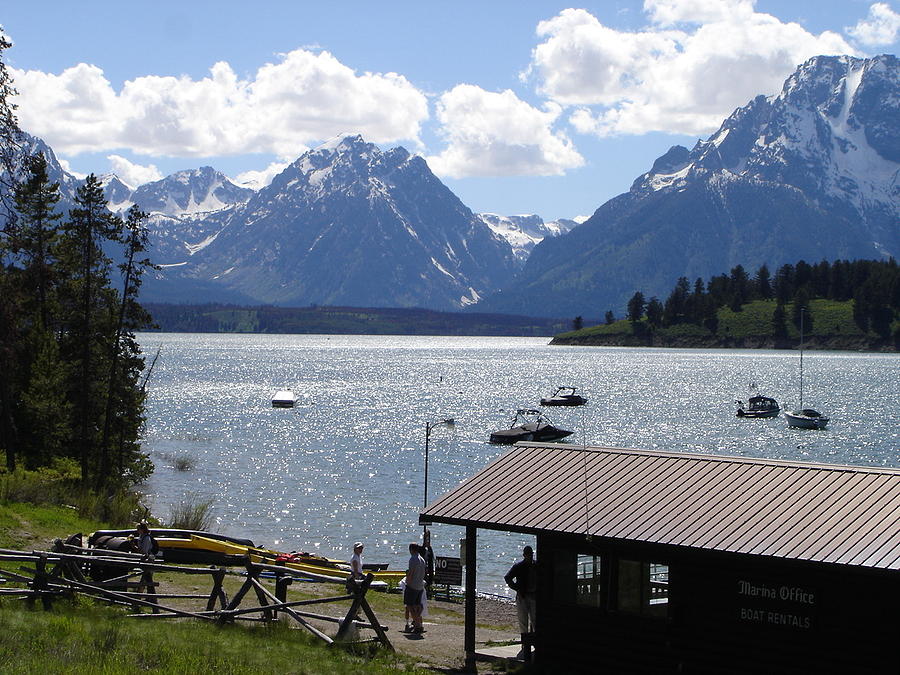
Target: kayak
column 186, row 546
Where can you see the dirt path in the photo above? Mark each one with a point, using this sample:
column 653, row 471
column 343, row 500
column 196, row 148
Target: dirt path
column 442, row 645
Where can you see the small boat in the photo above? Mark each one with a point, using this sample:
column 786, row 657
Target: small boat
column 758, row 407
column 283, row 399
column 564, row 396
column 804, row 418
column 206, row 548
column 533, row 427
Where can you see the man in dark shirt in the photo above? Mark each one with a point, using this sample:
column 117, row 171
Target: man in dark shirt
column 522, row 578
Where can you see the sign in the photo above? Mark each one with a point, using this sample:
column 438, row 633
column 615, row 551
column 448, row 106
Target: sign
column 776, row 604
column 447, row 571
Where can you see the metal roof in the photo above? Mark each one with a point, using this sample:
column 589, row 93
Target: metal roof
column 816, row 512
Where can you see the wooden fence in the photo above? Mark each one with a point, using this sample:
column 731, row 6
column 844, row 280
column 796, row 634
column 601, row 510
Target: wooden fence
column 128, row 579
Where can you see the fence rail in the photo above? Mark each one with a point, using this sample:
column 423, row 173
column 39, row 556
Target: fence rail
column 127, row 579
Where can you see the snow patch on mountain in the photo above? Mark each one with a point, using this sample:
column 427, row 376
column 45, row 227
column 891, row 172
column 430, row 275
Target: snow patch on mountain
column 524, row 232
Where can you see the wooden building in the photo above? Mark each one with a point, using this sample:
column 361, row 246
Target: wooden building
column 653, row 562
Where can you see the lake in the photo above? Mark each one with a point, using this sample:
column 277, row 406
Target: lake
column 347, row 463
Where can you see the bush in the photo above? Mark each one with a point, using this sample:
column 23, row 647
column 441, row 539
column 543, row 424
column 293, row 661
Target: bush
column 60, row 485
column 192, row 513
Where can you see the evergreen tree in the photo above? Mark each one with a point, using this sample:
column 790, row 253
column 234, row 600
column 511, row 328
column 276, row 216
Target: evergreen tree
column 779, row 327
column 577, row 323
column 655, row 312
column 10, row 320
column 636, row 307
column 90, row 301
column 610, row 318
column 37, row 232
column 762, row 283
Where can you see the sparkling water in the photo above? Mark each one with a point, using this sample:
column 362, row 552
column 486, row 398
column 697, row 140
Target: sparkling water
column 347, row 463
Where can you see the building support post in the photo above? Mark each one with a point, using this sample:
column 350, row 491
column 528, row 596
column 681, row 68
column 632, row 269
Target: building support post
column 470, row 599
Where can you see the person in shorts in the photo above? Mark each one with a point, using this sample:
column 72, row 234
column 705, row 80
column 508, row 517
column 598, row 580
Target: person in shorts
column 415, row 587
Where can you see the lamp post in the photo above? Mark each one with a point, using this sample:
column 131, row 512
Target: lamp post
column 428, row 427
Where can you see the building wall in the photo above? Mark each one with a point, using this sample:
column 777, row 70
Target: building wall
column 657, row 609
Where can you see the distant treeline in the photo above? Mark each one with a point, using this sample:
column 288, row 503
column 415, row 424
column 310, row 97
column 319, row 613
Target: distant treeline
column 217, row 318
column 857, row 304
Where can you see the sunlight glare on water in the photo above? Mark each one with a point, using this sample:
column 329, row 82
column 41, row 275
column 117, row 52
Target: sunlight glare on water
column 347, row 463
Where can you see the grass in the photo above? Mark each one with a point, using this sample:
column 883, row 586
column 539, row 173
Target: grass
column 81, row 638
column 87, row 637
column 192, row 513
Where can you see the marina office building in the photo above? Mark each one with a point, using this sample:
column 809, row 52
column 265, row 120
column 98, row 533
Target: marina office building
column 654, row 562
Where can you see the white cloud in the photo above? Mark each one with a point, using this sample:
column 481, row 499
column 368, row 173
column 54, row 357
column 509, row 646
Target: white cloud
column 879, row 28
column 671, row 12
column 69, row 170
column 256, row 180
column 282, row 109
column 131, row 173
column 498, row 134
column 681, row 79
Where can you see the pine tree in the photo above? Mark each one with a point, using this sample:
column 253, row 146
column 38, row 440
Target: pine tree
column 90, row 303
column 636, row 307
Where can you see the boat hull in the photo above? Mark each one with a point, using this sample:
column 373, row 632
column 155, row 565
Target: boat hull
column 803, row 419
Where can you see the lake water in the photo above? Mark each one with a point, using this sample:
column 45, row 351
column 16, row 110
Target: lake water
column 347, row 464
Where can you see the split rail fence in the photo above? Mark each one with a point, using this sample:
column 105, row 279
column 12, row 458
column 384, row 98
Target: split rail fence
column 128, row 579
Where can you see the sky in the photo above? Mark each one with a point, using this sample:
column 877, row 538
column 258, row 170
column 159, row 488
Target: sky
column 519, row 106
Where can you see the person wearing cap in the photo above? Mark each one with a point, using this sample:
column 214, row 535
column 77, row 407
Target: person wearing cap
column 522, row 578
column 356, row 568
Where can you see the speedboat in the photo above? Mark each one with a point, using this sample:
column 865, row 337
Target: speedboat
column 758, row 407
column 806, row 418
column 564, row 396
column 533, row 427
column 283, row 399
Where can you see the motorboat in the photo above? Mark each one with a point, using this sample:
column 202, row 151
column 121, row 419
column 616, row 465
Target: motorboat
column 529, row 425
column 564, row 396
column 806, row 418
column 283, row 399
column 758, row 407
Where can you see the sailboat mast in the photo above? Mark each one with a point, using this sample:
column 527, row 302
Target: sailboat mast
column 802, row 310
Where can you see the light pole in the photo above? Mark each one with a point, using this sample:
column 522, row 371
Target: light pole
column 428, row 427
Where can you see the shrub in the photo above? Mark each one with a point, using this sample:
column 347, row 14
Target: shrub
column 192, row 513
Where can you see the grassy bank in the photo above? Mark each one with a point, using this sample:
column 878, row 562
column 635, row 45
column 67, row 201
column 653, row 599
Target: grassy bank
column 87, row 637
column 832, row 327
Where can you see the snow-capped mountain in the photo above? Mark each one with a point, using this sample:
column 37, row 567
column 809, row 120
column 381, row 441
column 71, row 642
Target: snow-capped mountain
column 347, row 224
column 811, row 173
column 526, row 231
column 184, row 193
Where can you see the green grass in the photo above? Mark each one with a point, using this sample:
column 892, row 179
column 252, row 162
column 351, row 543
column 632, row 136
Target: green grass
column 89, row 639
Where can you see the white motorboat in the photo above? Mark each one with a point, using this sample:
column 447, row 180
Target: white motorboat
column 283, row 399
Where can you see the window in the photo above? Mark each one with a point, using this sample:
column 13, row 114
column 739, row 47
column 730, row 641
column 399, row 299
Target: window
column 643, row 588
column 587, row 577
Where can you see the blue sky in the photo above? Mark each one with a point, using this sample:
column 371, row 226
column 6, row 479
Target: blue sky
column 519, row 107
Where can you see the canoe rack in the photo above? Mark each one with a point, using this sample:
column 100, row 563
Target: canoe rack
column 127, row 580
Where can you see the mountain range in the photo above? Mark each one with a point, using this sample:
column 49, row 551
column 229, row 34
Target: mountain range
column 811, row 173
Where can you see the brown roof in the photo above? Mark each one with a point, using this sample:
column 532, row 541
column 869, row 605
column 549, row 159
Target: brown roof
column 817, row 512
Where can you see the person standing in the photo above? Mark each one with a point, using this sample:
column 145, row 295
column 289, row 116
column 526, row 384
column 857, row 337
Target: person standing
column 356, row 568
column 415, row 588
column 522, row 578
column 428, row 557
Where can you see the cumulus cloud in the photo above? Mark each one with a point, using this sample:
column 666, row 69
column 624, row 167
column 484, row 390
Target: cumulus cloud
column 694, row 63
column 879, row 28
column 133, row 174
column 498, row 134
column 282, row 109
column 256, row 180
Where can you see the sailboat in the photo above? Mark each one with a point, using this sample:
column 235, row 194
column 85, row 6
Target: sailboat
column 804, row 418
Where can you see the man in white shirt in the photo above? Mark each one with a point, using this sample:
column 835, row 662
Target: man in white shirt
column 415, row 587
column 356, row 568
